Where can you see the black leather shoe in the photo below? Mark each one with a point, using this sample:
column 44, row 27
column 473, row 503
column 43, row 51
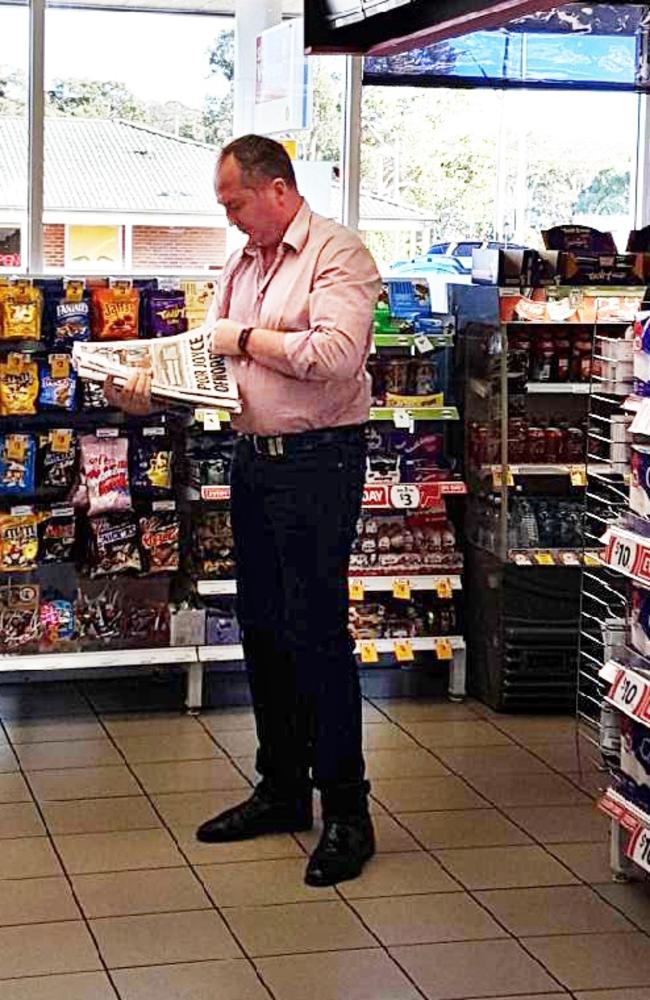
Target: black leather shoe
column 343, row 849
column 262, row 813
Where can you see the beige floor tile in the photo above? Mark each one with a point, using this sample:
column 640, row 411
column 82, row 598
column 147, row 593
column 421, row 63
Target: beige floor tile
column 632, row 899
column 425, row 794
column 238, row 742
column 297, row 927
column 149, row 724
column 13, row 788
column 100, row 815
column 592, row 783
column 634, row 993
column 68, row 753
column 463, row 828
column 28, row 857
column 562, row 824
column 427, row 919
column 36, row 900
column 183, row 809
column 472, row 969
column 556, row 910
column 402, row 764
column 267, row 848
column 344, row 975
column 58, row 947
column 92, row 853
column 260, row 883
column 563, row 755
column 467, row 761
column 246, row 765
column 538, row 789
column 420, row 710
column 370, row 715
column 8, row 760
column 168, row 746
column 589, row 862
column 192, row 936
column 227, row 720
column 82, row 783
column 231, row 979
column 158, row 890
column 54, row 730
column 20, row 819
column 592, row 961
column 399, row 875
column 76, row 986
column 504, row 867
column 386, row 736
column 538, row 729
column 389, row 836
column 189, row 776
column 475, row 733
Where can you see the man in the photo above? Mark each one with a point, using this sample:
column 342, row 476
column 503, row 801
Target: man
column 295, row 308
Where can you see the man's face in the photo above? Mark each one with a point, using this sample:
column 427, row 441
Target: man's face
column 258, row 212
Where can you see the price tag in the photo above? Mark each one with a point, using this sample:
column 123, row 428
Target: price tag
column 578, row 475
column 107, row 432
column 444, row 650
column 211, row 421
column 15, row 363
column 423, row 344
column 368, row 651
column 402, row 590
column 403, row 649
column 569, row 559
column 60, row 440
column 402, row 418
column 639, row 847
column 355, row 587
column 59, row 365
column 21, row 510
column 444, row 589
column 544, row 558
column 521, row 559
column 16, row 447
column 74, row 289
column 163, row 505
column 590, row 560
column 156, row 431
column 405, row 496
column 629, row 692
column 497, row 477
column 622, row 553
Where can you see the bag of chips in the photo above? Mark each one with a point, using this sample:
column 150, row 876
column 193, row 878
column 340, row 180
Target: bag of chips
column 58, row 535
column 105, row 473
column 18, row 386
column 164, row 313
column 114, row 546
column 151, row 464
column 18, row 542
column 71, row 321
column 159, row 537
column 57, row 459
column 114, row 313
column 17, row 463
column 21, row 308
column 58, row 386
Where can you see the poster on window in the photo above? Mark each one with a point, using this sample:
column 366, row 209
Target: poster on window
column 283, row 80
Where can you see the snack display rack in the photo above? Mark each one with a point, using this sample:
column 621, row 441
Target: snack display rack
column 531, row 360
column 157, row 587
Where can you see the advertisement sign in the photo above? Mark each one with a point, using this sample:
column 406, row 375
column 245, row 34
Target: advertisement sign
column 283, row 80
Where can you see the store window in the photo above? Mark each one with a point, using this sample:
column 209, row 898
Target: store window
column 14, row 26
column 95, row 248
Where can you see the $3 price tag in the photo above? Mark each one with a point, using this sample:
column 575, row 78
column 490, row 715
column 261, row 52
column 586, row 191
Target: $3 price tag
column 355, row 588
column 368, row 651
column 402, row 590
column 444, row 650
column 403, row 649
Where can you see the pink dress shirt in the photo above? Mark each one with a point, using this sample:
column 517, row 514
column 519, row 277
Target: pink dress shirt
column 319, row 294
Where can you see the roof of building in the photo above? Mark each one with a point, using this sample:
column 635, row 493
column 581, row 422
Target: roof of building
column 102, row 165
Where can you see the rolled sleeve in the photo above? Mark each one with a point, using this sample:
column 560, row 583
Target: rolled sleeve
column 341, row 304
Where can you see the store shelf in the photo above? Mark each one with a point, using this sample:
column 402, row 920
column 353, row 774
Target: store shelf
column 407, row 340
column 558, row 388
column 382, row 647
column 627, row 553
column 223, row 416
column 223, row 653
column 374, row 584
column 553, row 557
column 632, row 819
column 629, row 691
column 552, row 469
column 414, row 412
column 98, row 658
column 376, row 496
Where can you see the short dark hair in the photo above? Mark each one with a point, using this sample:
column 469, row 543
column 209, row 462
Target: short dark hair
column 260, row 159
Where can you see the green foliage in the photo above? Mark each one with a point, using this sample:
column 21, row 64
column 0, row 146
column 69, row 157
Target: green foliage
column 608, row 193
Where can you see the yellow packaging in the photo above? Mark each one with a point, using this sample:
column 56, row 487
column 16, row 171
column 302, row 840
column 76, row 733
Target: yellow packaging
column 18, row 389
column 395, row 399
column 21, row 308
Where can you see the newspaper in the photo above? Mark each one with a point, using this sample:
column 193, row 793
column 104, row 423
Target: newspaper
column 182, row 367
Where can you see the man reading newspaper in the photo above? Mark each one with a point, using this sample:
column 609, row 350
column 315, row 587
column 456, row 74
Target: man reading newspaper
column 294, row 313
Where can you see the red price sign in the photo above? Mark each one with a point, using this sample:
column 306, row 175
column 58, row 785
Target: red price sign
column 630, row 693
column 639, row 847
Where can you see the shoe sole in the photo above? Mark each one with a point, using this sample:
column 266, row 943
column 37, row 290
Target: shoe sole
column 317, row 883
column 262, row 832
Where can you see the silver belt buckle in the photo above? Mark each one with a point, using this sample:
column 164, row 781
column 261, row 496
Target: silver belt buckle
column 276, row 446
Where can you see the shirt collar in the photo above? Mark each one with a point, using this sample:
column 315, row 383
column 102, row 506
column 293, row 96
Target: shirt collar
column 296, row 233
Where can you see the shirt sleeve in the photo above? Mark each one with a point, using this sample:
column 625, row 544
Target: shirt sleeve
column 341, row 304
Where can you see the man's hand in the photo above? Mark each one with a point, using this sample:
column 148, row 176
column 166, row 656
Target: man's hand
column 135, row 395
column 225, row 336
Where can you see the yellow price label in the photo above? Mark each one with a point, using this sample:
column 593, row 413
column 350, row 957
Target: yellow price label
column 74, row 290
column 444, row 650
column 497, row 477
column 403, row 649
column 15, row 363
column 60, row 440
column 544, row 559
column 444, row 589
column 578, row 475
column 16, row 447
column 355, row 587
column 402, row 590
column 59, row 365
column 368, row 651
column 590, row 559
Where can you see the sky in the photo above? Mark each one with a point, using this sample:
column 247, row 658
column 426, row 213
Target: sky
column 160, row 57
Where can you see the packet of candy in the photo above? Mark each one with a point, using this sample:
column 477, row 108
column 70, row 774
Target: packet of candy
column 57, row 459
column 18, row 542
column 114, row 546
column 58, row 535
column 100, row 613
column 92, row 396
column 71, row 316
column 58, row 386
column 114, row 312
column 151, row 464
column 57, row 624
column 165, row 313
column 18, row 386
column 159, row 537
column 105, row 473
column 19, row 617
column 21, row 308
column 17, row 463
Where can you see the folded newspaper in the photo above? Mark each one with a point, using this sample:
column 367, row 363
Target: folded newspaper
column 182, row 368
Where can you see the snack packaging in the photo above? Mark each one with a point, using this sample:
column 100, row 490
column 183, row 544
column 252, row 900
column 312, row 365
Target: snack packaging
column 18, row 386
column 19, row 617
column 71, row 321
column 92, row 396
column 21, row 308
column 58, row 384
column 165, row 313
column 100, row 614
column 18, row 542
column 640, row 480
column 105, row 473
column 159, row 539
column 113, row 546
column 58, row 534
column 114, row 313
column 17, row 463
column 57, row 459
column 151, row 465
column 56, row 623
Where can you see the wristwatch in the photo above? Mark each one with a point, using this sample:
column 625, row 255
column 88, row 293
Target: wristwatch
column 243, row 340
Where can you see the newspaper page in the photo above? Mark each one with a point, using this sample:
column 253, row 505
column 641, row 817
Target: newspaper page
column 182, row 367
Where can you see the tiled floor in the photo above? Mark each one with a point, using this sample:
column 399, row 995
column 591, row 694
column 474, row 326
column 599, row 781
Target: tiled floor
column 491, row 880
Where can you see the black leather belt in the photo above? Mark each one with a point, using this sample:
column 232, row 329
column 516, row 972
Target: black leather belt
column 279, row 445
